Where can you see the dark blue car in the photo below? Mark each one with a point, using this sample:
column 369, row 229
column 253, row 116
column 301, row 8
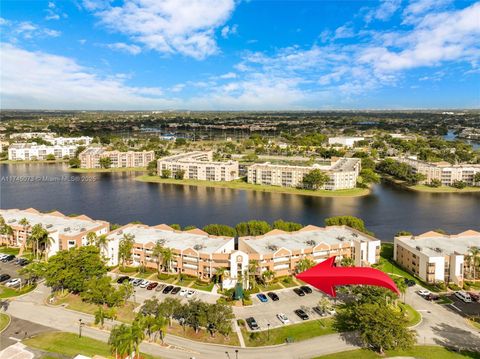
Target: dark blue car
column 263, row 298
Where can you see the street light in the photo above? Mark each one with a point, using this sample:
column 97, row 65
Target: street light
column 236, row 353
column 134, row 296
column 268, row 331
column 228, row 355
column 80, row 325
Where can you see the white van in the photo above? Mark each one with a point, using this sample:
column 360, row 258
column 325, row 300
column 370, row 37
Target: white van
column 464, row 296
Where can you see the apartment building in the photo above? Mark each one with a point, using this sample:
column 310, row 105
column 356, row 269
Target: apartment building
column 63, row 141
column 343, row 174
column 90, row 158
column 443, row 171
column 199, row 165
column 30, row 135
column 66, row 232
column 344, row 141
column 434, row 256
column 280, row 251
column 195, row 252
column 33, row 151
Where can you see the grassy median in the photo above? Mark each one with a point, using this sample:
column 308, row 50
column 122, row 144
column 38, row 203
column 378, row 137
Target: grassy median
column 242, row 185
column 4, row 321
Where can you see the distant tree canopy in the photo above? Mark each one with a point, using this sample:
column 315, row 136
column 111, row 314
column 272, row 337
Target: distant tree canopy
column 315, row 179
column 399, row 170
column 287, row 226
column 105, row 162
column 252, row 228
column 349, row 221
column 220, row 230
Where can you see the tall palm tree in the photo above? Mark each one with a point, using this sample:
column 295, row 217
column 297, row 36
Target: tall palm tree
column 401, row 285
column 6, row 230
column 102, row 243
column 24, row 223
column 253, row 267
column 167, row 256
column 46, row 242
column 219, row 273
column 37, row 236
column 137, row 335
column 268, row 275
column 159, row 326
column 120, row 340
column 157, row 253
column 91, row 238
column 474, row 252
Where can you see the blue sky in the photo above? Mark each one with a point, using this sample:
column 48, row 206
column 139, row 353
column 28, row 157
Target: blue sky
column 239, row 55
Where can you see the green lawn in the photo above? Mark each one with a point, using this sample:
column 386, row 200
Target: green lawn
column 443, row 189
column 206, row 287
column 7, row 292
column 9, row 250
column 296, row 332
column 269, row 287
column 413, row 317
column 242, row 185
column 167, row 278
column 29, row 161
column 4, row 320
column 418, row 352
column 70, row 344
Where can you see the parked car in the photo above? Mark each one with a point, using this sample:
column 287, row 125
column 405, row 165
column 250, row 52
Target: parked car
column 2, row 255
column 331, row 311
column 475, row 297
column 262, row 297
column 176, row 290
column 319, row 311
column 160, row 287
column 409, row 282
column 122, row 279
column 423, row 292
column 23, row 262
column 306, row 289
column 15, row 282
column 191, row 293
column 252, row 323
column 183, row 292
column 167, row 289
column 432, row 297
column 283, row 318
column 8, row 258
column 152, row 285
column 137, row 281
column 299, row 292
column 4, row 277
column 301, row 314
column 273, row 296
column 144, row 283
column 463, row 296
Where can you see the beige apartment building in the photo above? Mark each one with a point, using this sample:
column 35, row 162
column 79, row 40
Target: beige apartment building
column 90, row 158
column 195, row 252
column 435, row 257
column 66, row 232
column 443, row 171
column 343, row 174
column 280, row 251
column 199, row 165
column 32, row 151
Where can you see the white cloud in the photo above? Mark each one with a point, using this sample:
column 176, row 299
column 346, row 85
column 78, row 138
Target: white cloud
column 177, row 88
column 344, row 32
column 228, row 75
column 27, row 76
column 130, row 48
column 384, row 12
column 416, row 8
column 82, row 41
column 228, row 31
column 167, row 26
column 15, row 30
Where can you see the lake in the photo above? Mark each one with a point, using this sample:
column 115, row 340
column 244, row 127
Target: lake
column 118, row 198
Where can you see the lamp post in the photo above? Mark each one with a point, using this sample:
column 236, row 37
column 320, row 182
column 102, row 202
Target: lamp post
column 228, row 355
column 268, row 331
column 134, row 296
column 80, row 325
column 236, row 353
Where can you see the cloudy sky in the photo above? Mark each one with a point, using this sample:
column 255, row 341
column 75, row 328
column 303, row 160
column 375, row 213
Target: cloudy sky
column 239, row 55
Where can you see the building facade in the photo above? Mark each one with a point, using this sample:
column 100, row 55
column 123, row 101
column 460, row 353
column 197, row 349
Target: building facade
column 65, row 232
column 344, row 141
column 198, row 165
column 90, row 158
column 280, row 251
column 435, row 257
column 195, row 252
column 32, row 151
column 343, row 174
column 443, row 171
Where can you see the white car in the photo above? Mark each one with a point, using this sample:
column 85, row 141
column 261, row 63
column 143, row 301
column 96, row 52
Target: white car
column 144, row 283
column 13, row 282
column 283, row 318
column 3, row 255
column 463, row 296
column 424, row 292
column 183, row 292
column 331, row 311
column 191, row 293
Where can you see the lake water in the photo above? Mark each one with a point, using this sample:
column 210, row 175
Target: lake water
column 118, row 198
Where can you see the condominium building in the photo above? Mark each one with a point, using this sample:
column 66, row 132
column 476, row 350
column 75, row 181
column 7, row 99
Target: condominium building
column 82, row 140
column 443, row 171
column 280, row 251
column 434, row 256
column 90, row 158
column 30, row 135
column 33, row 151
column 343, row 174
column 65, row 231
column 198, row 165
column 344, row 141
column 195, row 252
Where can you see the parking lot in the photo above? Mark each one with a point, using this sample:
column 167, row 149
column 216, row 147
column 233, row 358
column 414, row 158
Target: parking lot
column 467, row 309
column 266, row 313
column 10, row 268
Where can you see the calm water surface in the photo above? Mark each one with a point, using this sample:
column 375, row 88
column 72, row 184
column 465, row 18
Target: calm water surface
column 118, row 198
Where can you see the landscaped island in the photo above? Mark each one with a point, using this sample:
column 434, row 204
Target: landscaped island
column 242, row 185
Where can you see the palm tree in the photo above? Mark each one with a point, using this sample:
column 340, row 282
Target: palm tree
column 91, row 238
column 219, row 273
column 167, row 255
column 6, row 230
column 102, row 243
column 24, row 223
column 401, row 285
column 37, row 236
column 120, row 341
column 253, row 267
column 474, row 252
column 157, row 252
column 304, row 264
column 137, row 335
column 160, row 326
column 268, row 275
column 46, row 243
